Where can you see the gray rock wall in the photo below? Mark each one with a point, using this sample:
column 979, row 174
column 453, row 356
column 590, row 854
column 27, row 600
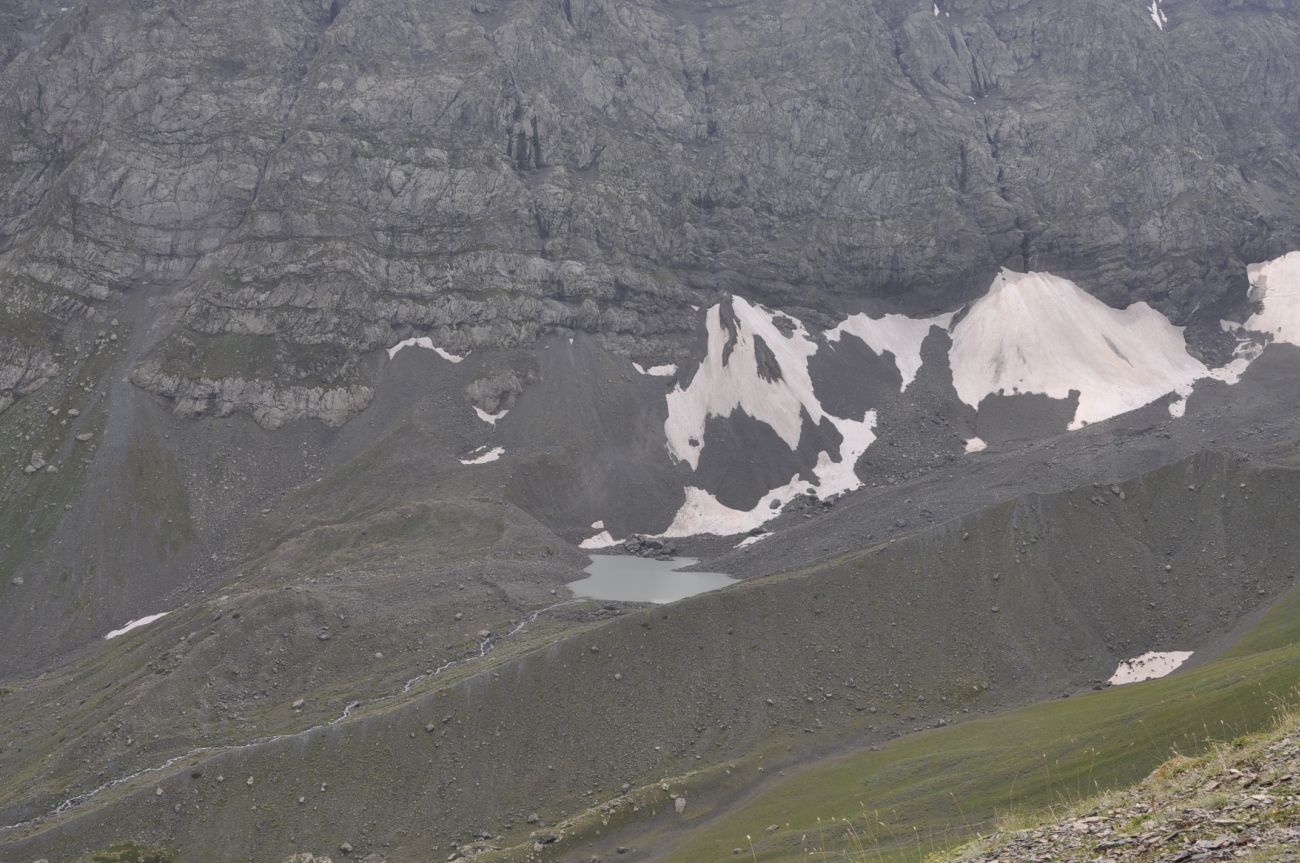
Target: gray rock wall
column 336, row 176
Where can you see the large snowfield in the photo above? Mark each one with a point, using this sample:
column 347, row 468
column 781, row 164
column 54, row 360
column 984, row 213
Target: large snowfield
column 1037, row 333
column 1030, row 333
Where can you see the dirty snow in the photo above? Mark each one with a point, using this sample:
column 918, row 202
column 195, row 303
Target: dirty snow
column 1148, row 666
column 484, row 457
column 426, row 343
column 1275, row 287
column 136, row 624
column 1037, row 333
column 720, row 387
column 491, row 419
column 900, row 335
column 704, row 513
column 1031, row 333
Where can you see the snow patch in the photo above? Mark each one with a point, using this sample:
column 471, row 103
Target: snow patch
column 426, row 343
column 1158, row 14
column 665, row 371
column 598, row 525
column 1178, row 407
column 900, row 335
column 976, row 444
column 1276, row 285
column 136, row 624
column 1148, row 666
column 600, row 540
column 491, row 419
column 750, row 540
column 484, row 457
column 702, row 513
column 729, row 379
column 1037, row 333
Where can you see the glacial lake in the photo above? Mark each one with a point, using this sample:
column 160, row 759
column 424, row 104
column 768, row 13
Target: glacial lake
column 625, row 578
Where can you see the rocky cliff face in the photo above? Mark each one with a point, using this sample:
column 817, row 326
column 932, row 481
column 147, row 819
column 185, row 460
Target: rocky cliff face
column 301, row 182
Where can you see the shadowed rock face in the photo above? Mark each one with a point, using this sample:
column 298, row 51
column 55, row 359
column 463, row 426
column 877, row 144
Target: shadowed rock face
column 323, row 179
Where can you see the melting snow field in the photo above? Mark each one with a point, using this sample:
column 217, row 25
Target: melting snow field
column 900, row 335
column 136, row 624
column 426, row 343
column 1276, row 284
column 1036, row 333
column 1031, row 333
column 1148, row 666
column 483, row 457
column 772, row 386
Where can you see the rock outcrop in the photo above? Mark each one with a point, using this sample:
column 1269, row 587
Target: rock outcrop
column 338, row 176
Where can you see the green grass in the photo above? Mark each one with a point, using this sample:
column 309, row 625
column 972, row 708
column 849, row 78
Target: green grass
column 933, row 790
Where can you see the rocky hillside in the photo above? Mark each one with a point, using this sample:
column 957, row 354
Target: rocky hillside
column 297, row 183
column 333, row 333
column 1240, row 801
column 238, row 702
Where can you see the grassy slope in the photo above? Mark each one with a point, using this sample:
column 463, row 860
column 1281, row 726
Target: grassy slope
column 932, row 790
